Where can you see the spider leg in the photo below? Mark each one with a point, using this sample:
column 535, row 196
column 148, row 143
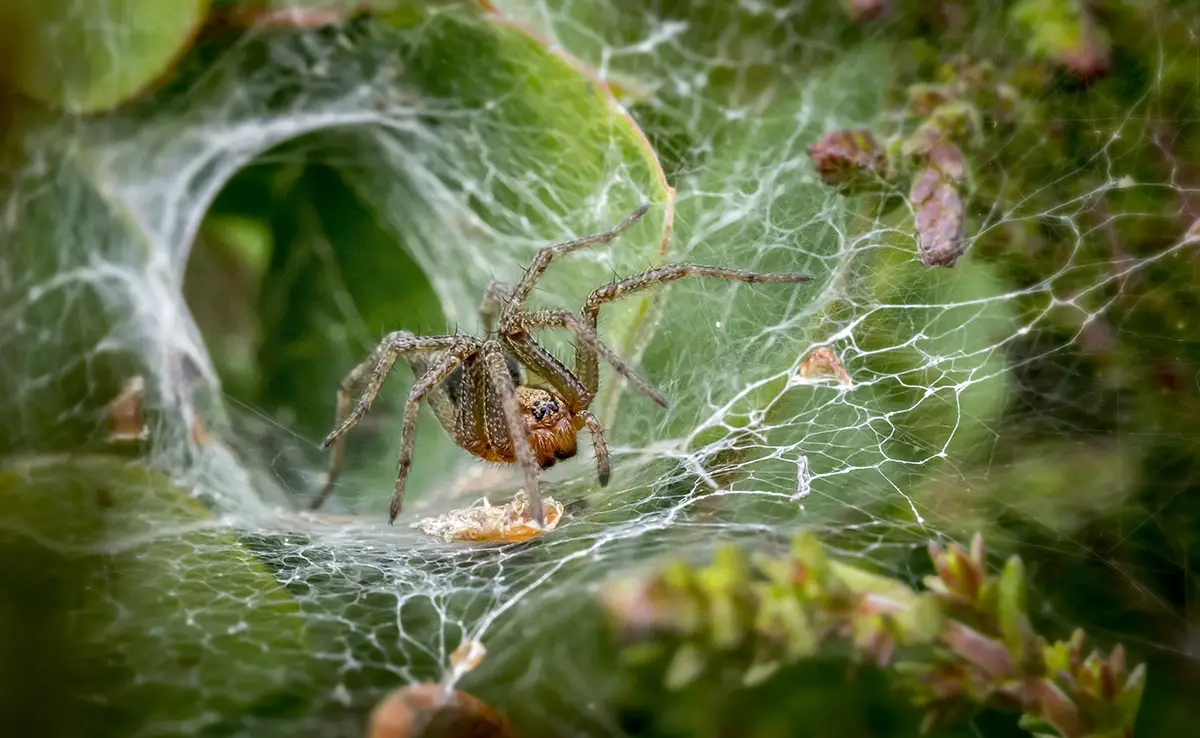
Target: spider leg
column 497, row 369
column 585, row 359
column 522, row 346
column 494, row 297
column 603, row 460
column 523, row 289
column 376, row 367
column 589, row 341
column 430, row 379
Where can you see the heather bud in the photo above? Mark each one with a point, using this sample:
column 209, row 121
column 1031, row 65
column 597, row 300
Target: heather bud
column 939, row 219
column 849, row 159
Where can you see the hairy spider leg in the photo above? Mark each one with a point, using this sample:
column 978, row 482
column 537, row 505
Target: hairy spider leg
column 548, row 367
column 586, row 361
column 516, row 302
column 599, row 446
column 494, row 297
column 428, row 381
column 510, row 417
column 590, row 343
column 379, row 364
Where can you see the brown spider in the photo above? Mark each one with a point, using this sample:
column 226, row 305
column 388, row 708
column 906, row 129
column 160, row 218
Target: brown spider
column 478, row 389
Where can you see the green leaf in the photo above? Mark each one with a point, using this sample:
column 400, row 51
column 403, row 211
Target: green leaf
column 152, row 612
column 948, row 349
column 925, row 621
column 782, row 226
column 782, row 614
column 686, row 113
column 760, row 672
column 1129, row 699
column 686, row 666
column 1010, row 609
column 87, row 57
column 1053, row 29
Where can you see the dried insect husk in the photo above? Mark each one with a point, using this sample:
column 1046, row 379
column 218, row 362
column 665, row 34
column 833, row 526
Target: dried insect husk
column 485, row 522
column 823, row 362
column 468, row 655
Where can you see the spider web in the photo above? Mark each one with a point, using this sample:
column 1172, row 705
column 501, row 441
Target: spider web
column 953, row 372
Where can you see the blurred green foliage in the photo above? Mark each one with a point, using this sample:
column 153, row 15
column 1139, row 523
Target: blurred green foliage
column 1076, row 410
column 963, row 642
column 93, row 56
column 121, row 623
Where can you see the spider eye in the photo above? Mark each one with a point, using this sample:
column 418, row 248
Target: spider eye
column 543, row 408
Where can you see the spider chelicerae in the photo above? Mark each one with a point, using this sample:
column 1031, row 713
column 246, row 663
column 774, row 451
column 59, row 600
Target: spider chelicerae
column 478, row 387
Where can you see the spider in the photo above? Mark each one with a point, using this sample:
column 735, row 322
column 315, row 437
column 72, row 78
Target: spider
column 478, row 388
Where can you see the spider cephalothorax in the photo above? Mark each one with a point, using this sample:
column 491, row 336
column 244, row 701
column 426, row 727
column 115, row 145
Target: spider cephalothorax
column 478, row 388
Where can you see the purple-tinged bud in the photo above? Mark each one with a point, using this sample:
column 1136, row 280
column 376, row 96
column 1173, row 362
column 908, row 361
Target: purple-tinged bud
column 847, row 158
column 939, row 219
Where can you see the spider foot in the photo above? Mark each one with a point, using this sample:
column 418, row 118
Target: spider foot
column 537, row 513
column 341, row 430
column 358, row 414
column 394, row 510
